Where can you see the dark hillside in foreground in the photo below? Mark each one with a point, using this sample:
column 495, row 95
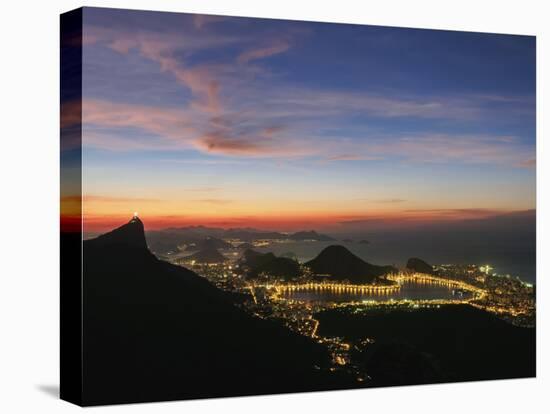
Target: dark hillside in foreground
column 341, row 264
column 452, row 343
column 155, row 331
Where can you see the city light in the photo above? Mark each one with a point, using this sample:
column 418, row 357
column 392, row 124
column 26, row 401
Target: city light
column 278, row 298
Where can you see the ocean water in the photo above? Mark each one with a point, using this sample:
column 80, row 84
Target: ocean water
column 508, row 255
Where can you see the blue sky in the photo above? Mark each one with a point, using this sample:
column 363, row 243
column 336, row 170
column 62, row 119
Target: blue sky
column 273, row 122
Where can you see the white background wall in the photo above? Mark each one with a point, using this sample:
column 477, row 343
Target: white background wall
column 29, row 204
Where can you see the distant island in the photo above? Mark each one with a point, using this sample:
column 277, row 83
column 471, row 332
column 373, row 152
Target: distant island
column 310, row 235
column 250, row 234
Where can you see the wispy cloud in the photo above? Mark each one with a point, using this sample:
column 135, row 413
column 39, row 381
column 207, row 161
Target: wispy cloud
column 457, row 212
column 201, row 20
column 202, row 189
column 445, row 148
column 179, row 128
column 206, row 117
column 458, row 107
column 164, row 121
column 113, row 199
column 423, row 216
column 263, row 52
column 216, row 201
column 390, row 201
column 219, row 143
column 95, row 198
column 162, row 48
column 350, row 157
column 239, row 112
column 260, row 144
column 530, row 163
column 445, row 218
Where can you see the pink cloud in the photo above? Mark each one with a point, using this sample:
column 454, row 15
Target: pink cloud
column 175, row 128
column 424, row 215
column 215, row 201
column 277, row 122
column 530, row 163
column 336, row 102
column 263, row 52
column 217, row 143
column 201, row 20
column 168, row 122
column 161, row 48
column 259, row 145
column 350, row 157
column 444, row 148
column 456, row 212
column 112, row 199
column 390, row 200
column 183, row 128
column 200, row 80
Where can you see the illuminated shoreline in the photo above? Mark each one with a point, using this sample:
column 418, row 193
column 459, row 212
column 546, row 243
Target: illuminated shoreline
column 278, row 290
column 423, row 278
column 337, row 287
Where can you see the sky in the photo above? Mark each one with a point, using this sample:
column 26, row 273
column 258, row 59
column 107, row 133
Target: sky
column 232, row 122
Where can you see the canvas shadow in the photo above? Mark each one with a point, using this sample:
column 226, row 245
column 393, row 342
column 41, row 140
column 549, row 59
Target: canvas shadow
column 49, row 389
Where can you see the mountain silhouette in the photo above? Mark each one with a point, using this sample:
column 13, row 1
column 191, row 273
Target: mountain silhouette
column 252, row 258
column 341, row 264
column 194, row 238
column 131, row 234
column 270, row 264
column 171, row 240
column 155, row 331
column 207, row 255
column 420, row 266
column 212, row 243
column 249, row 234
column 310, row 235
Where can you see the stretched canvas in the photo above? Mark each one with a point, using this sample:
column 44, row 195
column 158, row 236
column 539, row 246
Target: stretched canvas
column 259, row 206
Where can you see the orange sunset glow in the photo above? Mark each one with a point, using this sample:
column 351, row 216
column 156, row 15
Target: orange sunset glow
column 269, row 131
